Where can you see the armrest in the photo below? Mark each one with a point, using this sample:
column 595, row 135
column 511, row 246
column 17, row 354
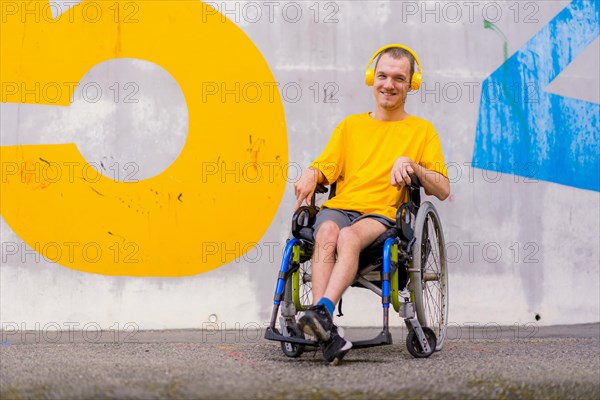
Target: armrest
column 408, row 211
column 415, row 183
column 321, row 189
column 304, row 217
column 414, row 190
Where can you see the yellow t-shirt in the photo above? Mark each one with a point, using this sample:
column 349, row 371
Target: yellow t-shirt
column 360, row 156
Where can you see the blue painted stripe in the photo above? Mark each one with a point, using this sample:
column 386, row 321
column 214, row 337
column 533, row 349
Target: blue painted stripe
column 526, row 131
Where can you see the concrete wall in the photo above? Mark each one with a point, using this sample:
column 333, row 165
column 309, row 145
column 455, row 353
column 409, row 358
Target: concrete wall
column 514, row 100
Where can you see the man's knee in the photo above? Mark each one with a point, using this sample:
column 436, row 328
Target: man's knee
column 326, row 243
column 328, row 233
column 348, row 238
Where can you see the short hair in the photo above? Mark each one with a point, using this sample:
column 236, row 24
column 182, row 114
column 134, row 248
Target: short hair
column 399, row 53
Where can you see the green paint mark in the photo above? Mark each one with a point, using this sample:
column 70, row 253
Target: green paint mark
column 488, row 25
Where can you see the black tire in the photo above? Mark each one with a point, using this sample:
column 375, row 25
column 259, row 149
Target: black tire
column 293, row 350
column 429, row 276
column 414, row 347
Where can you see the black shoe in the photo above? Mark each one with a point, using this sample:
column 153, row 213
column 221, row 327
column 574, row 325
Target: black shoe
column 335, row 348
column 317, row 322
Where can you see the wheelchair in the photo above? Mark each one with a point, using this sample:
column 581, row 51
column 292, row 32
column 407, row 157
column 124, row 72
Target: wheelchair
column 406, row 266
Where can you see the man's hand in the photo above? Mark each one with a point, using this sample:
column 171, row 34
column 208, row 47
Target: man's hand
column 306, row 185
column 400, row 171
column 433, row 182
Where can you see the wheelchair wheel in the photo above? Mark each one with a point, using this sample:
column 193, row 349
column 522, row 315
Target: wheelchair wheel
column 414, row 347
column 429, row 277
column 302, row 286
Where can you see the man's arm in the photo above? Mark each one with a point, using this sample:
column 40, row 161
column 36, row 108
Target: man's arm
column 433, row 182
column 305, row 187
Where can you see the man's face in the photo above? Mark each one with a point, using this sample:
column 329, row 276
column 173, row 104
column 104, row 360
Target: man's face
column 392, row 82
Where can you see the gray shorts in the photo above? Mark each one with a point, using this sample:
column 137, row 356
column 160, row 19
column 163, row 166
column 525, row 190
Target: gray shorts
column 344, row 218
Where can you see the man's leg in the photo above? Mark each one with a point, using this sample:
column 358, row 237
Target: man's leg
column 317, row 320
column 351, row 241
column 323, row 257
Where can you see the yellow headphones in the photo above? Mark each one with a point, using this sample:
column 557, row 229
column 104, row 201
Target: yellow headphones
column 415, row 82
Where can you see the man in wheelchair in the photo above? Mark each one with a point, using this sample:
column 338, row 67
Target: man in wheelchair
column 369, row 157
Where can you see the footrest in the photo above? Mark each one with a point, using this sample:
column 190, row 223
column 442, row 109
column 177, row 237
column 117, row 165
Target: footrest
column 273, row 334
column 384, row 338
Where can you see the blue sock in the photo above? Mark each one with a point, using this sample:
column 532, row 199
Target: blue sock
column 328, row 304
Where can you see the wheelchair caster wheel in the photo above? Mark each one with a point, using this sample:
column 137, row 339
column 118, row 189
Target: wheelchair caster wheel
column 293, row 350
column 414, row 347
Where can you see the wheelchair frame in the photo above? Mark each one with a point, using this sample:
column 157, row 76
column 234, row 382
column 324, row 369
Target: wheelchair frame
column 406, row 249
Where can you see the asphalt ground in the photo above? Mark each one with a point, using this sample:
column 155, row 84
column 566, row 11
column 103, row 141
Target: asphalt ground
column 521, row 361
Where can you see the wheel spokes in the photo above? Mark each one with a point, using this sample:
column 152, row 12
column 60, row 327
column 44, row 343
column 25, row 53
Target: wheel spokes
column 306, row 284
